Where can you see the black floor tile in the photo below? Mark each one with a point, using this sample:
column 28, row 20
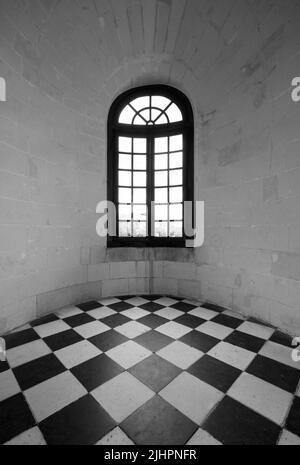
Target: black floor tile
column 183, row 306
column 15, row 417
column 151, row 306
column 153, row 321
column 200, row 341
column 228, row 321
column 60, row 340
column 281, row 338
column 215, row 308
column 96, row 371
column 4, row 366
column 276, row 373
column 151, row 297
column 108, row 340
column 38, row 370
column 91, row 305
column 245, row 341
column 21, row 337
column 234, row 424
column 78, row 320
column 190, row 321
column 293, row 420
column 155, row 372
column 158, row 423
column 115, row 320
column 120, row 306
column 153, row 340
column 43, row 320
column 214, row 372
column 82, row 423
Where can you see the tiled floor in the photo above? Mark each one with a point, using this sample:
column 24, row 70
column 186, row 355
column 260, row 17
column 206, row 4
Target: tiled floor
column 148, row 370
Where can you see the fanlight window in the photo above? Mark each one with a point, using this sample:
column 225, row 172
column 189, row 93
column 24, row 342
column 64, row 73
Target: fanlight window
column 150, row 110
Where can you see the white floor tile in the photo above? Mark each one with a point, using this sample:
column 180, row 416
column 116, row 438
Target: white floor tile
column 137, row 301
column 128, row 354
column 31, row 437
column 135, row 313
column 166, row 301
column 203, row 313
column 279, row 353
column 232, row 355
column 174, row 330
column 54, row 394
column 180, row 354
column 27, row 352
column 132, row 329
column 8, row 385
column 202, row 438
column 169, row 313
column 266, row 399
column 215, row 330
column 101, row 312
column 288, row 439
column 191, row 396
column 91, row 329
column 122, row 396
column 77, row 353
column 116, row 437
column 109, row 301
column 254, row 329
column 54, row 327
column 68, row 311
column 236, row 315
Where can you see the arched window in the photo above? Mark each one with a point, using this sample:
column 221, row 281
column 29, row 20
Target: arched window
column 150, row 166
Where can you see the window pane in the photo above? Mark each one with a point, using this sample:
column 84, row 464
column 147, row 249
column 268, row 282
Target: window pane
column 176, row 194
column 161, row 178
column 174, row 113
column 161, row 144
column 139, row 162
column 139, row 178
column 139, row 196
column 145, row 114
column 124, row 178
column 176, row 178
column 176, row 160
column 162, row 119
column 127, row 115
column 155, row 114
column 124, row 212
column 124, row 229
column 161, row 196
column 125, row 144
column 161, row 229
column 139, row 145
column 160, row 102
column 161, row 162
column 176, row 143
column 124, row 161
column 176, row 211
column 160, row 212
column 139, row 121
column 140, row 229
column 140, row 102
column 125, row 195
column 175, row 229
column 140, row 212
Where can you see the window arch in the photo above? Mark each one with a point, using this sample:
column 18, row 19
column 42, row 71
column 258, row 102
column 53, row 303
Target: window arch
column 150, row 166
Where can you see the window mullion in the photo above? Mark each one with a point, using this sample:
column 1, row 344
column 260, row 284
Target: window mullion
column 150, row 181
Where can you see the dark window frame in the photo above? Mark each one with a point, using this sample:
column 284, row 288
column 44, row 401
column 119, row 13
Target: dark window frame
column 115, row 129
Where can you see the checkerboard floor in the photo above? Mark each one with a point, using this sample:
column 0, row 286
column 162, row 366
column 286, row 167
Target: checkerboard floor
column 148, row 370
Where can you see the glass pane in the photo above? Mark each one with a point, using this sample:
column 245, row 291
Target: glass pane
column 160, row 102
column 161, row 178
column 139, row 179
column 161, row 196
column 162, row 119
column 124, row 212
column 161, row 162
column 140, row 212
column 125, row 195
column 174, row 113
column 160, row 212
column 124, row 178
column 125, row 144
column 139, row 121
column 155, row 114
column 139, row 145
column 176, row 178
column 139, row 162
column 124, row 229
column 176, row 160
column 161, row 144
column 140, row 102
column 124, row 161
column 176, row 143
column 161, row 229
column 175, row 229
column 176, row 211
column 139, row 196
column 127, row 115
column 145, row 114
column 176, row 194
column 140, row 229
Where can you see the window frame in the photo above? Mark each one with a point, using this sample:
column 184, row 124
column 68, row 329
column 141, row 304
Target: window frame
column 116, row 129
